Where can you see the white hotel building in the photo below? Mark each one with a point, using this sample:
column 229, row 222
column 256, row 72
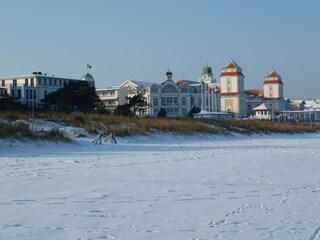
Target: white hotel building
column 32, row 88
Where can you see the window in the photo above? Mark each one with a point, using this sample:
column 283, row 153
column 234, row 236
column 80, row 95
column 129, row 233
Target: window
column 3, row 83
column 19, row 93
column 26, row 83
column 32, row 82
column 45, row 93
column 183, row 90
column 27, row 94
column 30, row 94
column 44, row 81
column 155, row 102
column 55, row 82
column 34, row 94
column 132, row 90
column 14, row 82
column 40, row 81
column 192, row 101
column 183, row 101
column 60, row 83
column 169, row 89
column 50, row 82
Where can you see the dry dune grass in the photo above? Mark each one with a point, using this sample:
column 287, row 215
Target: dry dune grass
column 125, row 126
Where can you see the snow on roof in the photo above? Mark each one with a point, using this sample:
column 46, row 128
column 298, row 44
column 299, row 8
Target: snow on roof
column 261, row 107
column 312, row 104
column 298, row 101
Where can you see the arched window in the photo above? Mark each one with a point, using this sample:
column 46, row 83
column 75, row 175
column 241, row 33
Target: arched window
column 132, row 90
column 183, row 101
column 155, row 102
column 169, row 89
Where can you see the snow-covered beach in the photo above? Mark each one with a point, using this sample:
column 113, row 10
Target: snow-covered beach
column 162, row 187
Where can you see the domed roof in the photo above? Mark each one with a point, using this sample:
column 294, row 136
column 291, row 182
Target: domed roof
column 168, row 73
column 207, row 70
column 87, row 77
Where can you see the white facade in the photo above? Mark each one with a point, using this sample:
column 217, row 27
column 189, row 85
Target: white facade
column 262, row 112
column 177, row 98
column 31, row 89
column 114, row 96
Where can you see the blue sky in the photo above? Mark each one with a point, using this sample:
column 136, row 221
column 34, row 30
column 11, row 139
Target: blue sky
column 141, row 39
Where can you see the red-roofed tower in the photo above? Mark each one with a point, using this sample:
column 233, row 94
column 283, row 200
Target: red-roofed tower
column 273, row 86
column 233, row 98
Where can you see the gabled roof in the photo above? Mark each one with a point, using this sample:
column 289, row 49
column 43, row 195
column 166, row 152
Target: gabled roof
column 273, row 74
column 231, row 69
column 273, row 77
column 232, row 64
column 261, row 107
column 134, row 83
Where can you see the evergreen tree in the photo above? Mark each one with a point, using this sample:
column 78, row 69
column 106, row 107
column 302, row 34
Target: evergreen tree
column 132, row 107
column 74, row 96
column 162, row 113
column 193, row 111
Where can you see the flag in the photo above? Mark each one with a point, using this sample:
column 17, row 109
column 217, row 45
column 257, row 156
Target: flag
column 89, row 66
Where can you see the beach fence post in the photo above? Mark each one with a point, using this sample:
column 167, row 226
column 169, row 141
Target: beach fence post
column 98, row 139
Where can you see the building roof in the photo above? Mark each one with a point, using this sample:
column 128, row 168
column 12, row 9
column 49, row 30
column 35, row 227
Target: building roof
column 254, row 92
column 273, row 77
column 261, row 107
column 87, row 77
column 168, row 73
column 207, row 70
column 185, row 82
column 231, row 69
column 298, row 101
column 312, row 104
column 232, row 64
column 273, row 74
column 36, row 74
column 137, row 83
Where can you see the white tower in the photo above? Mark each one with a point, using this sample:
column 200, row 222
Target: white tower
column 273, row 86
column 232, row 90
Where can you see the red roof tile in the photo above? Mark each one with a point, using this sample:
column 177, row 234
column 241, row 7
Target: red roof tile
column 255, row 92
column 231, row 74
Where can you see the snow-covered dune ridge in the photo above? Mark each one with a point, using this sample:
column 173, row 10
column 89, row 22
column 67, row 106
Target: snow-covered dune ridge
column 162, row 186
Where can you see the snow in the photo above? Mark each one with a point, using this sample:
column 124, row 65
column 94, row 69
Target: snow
column 162, row 187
